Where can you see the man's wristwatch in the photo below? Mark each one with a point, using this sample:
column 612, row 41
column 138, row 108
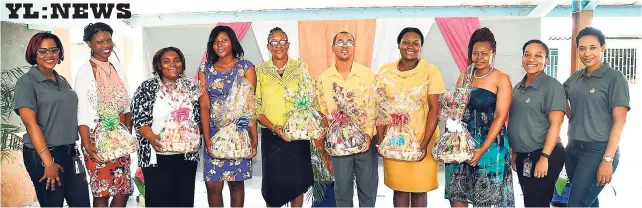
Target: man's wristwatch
column 607, row 158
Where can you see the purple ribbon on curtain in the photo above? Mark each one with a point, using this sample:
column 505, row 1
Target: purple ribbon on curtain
column 240, row 28
column 457, row 32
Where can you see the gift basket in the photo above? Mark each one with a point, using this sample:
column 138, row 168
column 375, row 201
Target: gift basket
column 399, row 142
column 303, row 122
column 112, row 139
column 180, row 133
column 232, row 116
column 344, row 136
column 456, row 144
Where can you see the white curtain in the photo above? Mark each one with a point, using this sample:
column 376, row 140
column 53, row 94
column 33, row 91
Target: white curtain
column 262, row 30
column 385, row 44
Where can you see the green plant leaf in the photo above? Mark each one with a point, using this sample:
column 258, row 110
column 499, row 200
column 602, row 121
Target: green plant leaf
column 560, row 184
column 141, row 186
column 9, row 140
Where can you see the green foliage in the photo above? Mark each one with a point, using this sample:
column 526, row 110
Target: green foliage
column 10, row 141
column 140, row 186
column 560, row 184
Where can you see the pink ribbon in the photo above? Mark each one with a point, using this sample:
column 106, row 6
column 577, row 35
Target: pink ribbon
column 180, row 114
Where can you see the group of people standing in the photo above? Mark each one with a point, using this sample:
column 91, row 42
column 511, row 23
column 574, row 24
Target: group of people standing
column 595, row 99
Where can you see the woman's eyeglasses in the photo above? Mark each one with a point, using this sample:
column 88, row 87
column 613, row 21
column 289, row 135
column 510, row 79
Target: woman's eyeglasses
column 52, row 51
column 281, row 43
column 342, row 44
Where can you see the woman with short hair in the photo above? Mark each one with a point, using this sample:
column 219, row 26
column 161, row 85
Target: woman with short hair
column 48, row 106
column 539, row 103
column 599, row 99
column 159, row 105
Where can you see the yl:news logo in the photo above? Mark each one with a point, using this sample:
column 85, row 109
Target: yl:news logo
column 69, row 10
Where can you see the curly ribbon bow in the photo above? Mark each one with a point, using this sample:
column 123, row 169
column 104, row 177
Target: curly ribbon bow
column 180, row 114
column 340, row 117
column 242, row 123
column 110, row 121
column 303, row 103
column 399, row 119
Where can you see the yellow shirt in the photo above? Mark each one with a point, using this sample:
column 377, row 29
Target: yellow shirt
column 413, row 176
column 360, row 80
column 270, row 89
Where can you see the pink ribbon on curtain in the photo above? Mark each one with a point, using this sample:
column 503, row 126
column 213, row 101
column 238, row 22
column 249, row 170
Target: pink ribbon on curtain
column 457, row 32
column 240, row 28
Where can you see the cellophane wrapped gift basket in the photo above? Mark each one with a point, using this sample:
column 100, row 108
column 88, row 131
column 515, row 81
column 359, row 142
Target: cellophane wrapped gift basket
column 111, row 137
column 303, row 122
column 232, row 116
column 180, row 133
column 344, row 136
column 456, row 144
column 399, row 142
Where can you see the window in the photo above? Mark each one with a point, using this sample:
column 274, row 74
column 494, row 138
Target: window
column 551, row 67
column 624, row 60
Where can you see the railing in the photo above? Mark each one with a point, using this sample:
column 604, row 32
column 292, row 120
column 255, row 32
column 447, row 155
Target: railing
column 623, row 60
column 551, row 67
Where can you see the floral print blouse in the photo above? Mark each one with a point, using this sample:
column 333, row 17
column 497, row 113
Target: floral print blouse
column 142, row 108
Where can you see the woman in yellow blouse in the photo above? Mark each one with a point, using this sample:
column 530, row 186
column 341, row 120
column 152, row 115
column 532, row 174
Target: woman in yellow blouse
column 412, row 180
column 287, row 168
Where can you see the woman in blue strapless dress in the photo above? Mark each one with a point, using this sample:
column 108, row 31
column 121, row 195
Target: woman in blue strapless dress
column 486, row 180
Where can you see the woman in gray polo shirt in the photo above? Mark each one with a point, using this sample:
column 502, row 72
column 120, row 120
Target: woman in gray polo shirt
column 47, row 106
column 599, row 101
column 538, row 108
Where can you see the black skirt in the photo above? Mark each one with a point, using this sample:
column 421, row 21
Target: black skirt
column 287, row 169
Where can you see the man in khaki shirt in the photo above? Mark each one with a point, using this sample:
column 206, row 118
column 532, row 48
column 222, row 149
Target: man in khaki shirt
column 359, row 79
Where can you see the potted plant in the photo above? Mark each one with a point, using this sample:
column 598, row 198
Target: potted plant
column 17, row 188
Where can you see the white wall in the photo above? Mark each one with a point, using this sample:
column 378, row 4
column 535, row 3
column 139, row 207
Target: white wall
column 610, row 26
column 192, row 41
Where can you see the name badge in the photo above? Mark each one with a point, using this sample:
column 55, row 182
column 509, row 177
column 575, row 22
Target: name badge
column 79, row 167
column 528, row 165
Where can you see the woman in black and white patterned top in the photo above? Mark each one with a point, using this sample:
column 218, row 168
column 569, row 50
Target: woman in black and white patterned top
column 169, row 176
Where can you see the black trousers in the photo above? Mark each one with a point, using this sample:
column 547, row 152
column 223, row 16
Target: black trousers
column 74, row 187
column 171, row 182
column 538, row 192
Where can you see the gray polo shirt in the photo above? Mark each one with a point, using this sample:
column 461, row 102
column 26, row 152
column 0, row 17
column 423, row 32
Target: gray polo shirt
column 55, row 104
column 529, row 124
column 591, row 98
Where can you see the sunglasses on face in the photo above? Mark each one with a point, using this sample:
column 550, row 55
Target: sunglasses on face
column 342, row 44
column 281, row 43
column 52, row 51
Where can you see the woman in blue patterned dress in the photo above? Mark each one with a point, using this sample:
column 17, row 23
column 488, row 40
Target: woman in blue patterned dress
column 486, row 179
column 217, row 76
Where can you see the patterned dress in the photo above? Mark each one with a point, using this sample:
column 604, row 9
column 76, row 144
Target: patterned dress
column 490, row 183
column 101, row 94
column 219, row 85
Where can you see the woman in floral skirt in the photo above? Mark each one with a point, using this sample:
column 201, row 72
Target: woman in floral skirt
column 102, row 97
